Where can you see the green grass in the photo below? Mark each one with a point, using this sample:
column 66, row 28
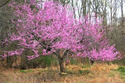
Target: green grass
column 78, row 72
column 81, row 82
column 86, row 66
column 73, row 61
column 25, row 71
column 121, row 69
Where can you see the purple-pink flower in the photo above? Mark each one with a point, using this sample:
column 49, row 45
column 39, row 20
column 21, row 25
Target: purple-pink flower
column 52, row 27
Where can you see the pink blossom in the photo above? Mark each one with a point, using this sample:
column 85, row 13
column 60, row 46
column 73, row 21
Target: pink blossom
column 53, row 27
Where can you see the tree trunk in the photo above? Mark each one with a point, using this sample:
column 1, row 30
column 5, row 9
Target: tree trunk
column 61, row 59
column 122, row 15
column 61, row 65
column 9, row 62
column 91, row 62
column 84, row 2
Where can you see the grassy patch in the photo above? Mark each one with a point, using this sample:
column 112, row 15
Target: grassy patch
column 25, row 71
column 121, row 70
column 86, row 66
column 98, row 73
column 73, row 61
column 81, row 82
column 111, row 74
column 22, row 71
column 78, row 72
column 84, row 72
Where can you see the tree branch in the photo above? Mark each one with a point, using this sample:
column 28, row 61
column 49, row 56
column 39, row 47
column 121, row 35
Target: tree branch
column 4, row 3
column 65, row 53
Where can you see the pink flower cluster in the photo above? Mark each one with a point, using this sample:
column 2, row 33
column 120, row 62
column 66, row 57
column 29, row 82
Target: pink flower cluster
column 52, row 27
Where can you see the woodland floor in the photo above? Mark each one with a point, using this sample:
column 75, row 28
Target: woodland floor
column 97, row 73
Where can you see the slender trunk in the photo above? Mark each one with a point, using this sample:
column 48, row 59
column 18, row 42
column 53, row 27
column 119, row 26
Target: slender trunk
column 105, row 17
column 84, row 7
column 96, row 8
column 122, row 22
column 73, row 8
column 111, row 12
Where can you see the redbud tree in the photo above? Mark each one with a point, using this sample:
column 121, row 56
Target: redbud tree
column 52, row 28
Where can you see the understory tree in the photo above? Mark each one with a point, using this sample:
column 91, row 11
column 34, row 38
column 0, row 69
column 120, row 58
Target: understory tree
column 50, row 28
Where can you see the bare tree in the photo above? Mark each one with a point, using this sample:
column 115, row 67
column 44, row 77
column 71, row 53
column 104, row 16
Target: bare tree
column 122, row 16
